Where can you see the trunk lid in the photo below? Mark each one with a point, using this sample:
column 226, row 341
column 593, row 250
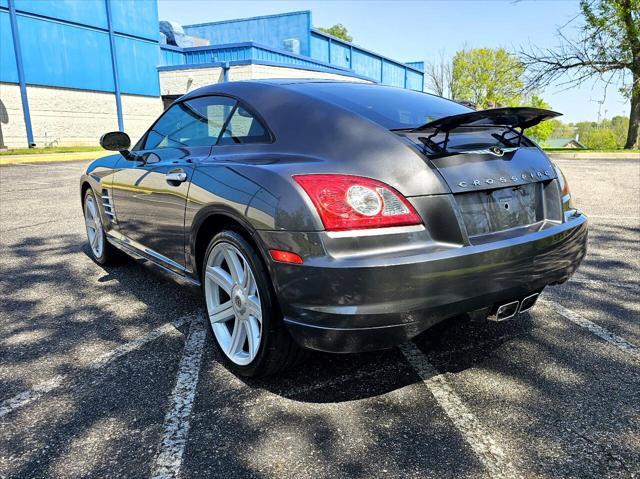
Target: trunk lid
column 500, row 180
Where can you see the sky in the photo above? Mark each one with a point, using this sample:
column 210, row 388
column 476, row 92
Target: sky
column 419, row 30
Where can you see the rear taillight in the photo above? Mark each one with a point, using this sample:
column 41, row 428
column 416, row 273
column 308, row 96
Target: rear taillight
column 565, row 192
column 347, row 202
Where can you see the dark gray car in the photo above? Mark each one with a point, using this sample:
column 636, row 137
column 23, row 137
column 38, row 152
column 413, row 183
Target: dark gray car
column 336, row 216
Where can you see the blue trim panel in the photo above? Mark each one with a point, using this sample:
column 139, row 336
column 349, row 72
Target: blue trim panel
column 21, row 77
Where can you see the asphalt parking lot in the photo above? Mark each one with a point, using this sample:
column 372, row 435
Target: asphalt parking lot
column 110, row 372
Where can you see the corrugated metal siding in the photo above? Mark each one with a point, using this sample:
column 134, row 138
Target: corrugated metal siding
column 86, row 12
column 279, row 57
column 238, row 52
column 319, row 48
column 171, row 57
column 270, row 30
column 217, row 55
column 393, row 74
column 66, row 56
column 414, row 80
column 136, row 17
column 137, row 69
column 8, row 68
column 340, row 55
column 365, row 63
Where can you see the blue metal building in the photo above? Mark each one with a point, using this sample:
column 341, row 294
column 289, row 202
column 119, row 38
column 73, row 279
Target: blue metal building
column 71, row 45
column 289, row 38
column 72, row 69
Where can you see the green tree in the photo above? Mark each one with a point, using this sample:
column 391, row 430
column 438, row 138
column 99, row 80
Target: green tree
column 339, row 31
column 599, row 139
column 542, row 131
column 562, row 130
column 620, row 127
column 607, row 49
column 487, row 77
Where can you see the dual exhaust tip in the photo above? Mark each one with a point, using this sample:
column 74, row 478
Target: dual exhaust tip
column 509, row 310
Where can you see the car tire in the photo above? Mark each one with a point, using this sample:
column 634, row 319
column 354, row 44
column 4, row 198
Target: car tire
column 237, row 289
column 101, row 251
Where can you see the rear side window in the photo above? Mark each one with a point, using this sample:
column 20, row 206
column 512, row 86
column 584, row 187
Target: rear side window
column 196, row 122
column 243, row 127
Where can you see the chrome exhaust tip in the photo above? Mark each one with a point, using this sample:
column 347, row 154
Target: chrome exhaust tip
column 506, row 311
column 528, row 302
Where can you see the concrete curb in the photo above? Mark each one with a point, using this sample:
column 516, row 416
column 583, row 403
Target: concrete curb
column 51, row 157
column 591, row 155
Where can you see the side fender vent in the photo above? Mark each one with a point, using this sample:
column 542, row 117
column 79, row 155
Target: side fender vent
column 107, row 202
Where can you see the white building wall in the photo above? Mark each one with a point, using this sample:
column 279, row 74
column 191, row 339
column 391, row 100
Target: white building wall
column 61, row 117
column 138, row 113
column 179, row 82
column 257, row 72
column 12, row 129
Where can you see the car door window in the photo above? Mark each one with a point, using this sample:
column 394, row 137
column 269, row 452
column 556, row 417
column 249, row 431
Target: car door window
column 243, row 127
column 196, row 122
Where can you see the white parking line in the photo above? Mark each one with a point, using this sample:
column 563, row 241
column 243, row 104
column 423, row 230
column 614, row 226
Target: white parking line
column 176, row 423
column 599, row 331
column 25, row 397
column 472, row 431
column 30, row 395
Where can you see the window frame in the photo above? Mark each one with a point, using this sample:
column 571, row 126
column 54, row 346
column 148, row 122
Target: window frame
column 139, row 146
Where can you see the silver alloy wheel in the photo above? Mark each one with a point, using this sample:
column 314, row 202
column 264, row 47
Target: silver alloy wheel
column 94, row 226
column 233, row 303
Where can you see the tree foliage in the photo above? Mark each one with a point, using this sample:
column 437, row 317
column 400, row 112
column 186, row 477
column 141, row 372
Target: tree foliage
column 542, row 131
column 487, row 77
column 339, row 31
column 599, row 139
column 604, row 134
column 607, row 49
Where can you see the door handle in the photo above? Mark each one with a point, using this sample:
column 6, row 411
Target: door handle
column 177, row 176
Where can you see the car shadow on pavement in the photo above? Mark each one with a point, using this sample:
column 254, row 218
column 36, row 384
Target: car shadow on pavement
column 60, row 309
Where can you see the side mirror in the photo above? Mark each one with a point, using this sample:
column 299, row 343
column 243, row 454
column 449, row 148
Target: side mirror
column 119, row 141
column 115, row 141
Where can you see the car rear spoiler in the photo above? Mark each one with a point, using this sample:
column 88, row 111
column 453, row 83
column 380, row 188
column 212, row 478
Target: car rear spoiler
column 511, row 118
column 517, row 117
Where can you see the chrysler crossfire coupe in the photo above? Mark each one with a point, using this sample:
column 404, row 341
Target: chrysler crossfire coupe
column 335, row 216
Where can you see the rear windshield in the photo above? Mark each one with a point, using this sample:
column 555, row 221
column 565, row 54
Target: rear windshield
column 472, row 138
column 391, row 107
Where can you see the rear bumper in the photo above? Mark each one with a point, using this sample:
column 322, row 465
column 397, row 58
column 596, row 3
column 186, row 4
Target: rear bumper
column 378, row 299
